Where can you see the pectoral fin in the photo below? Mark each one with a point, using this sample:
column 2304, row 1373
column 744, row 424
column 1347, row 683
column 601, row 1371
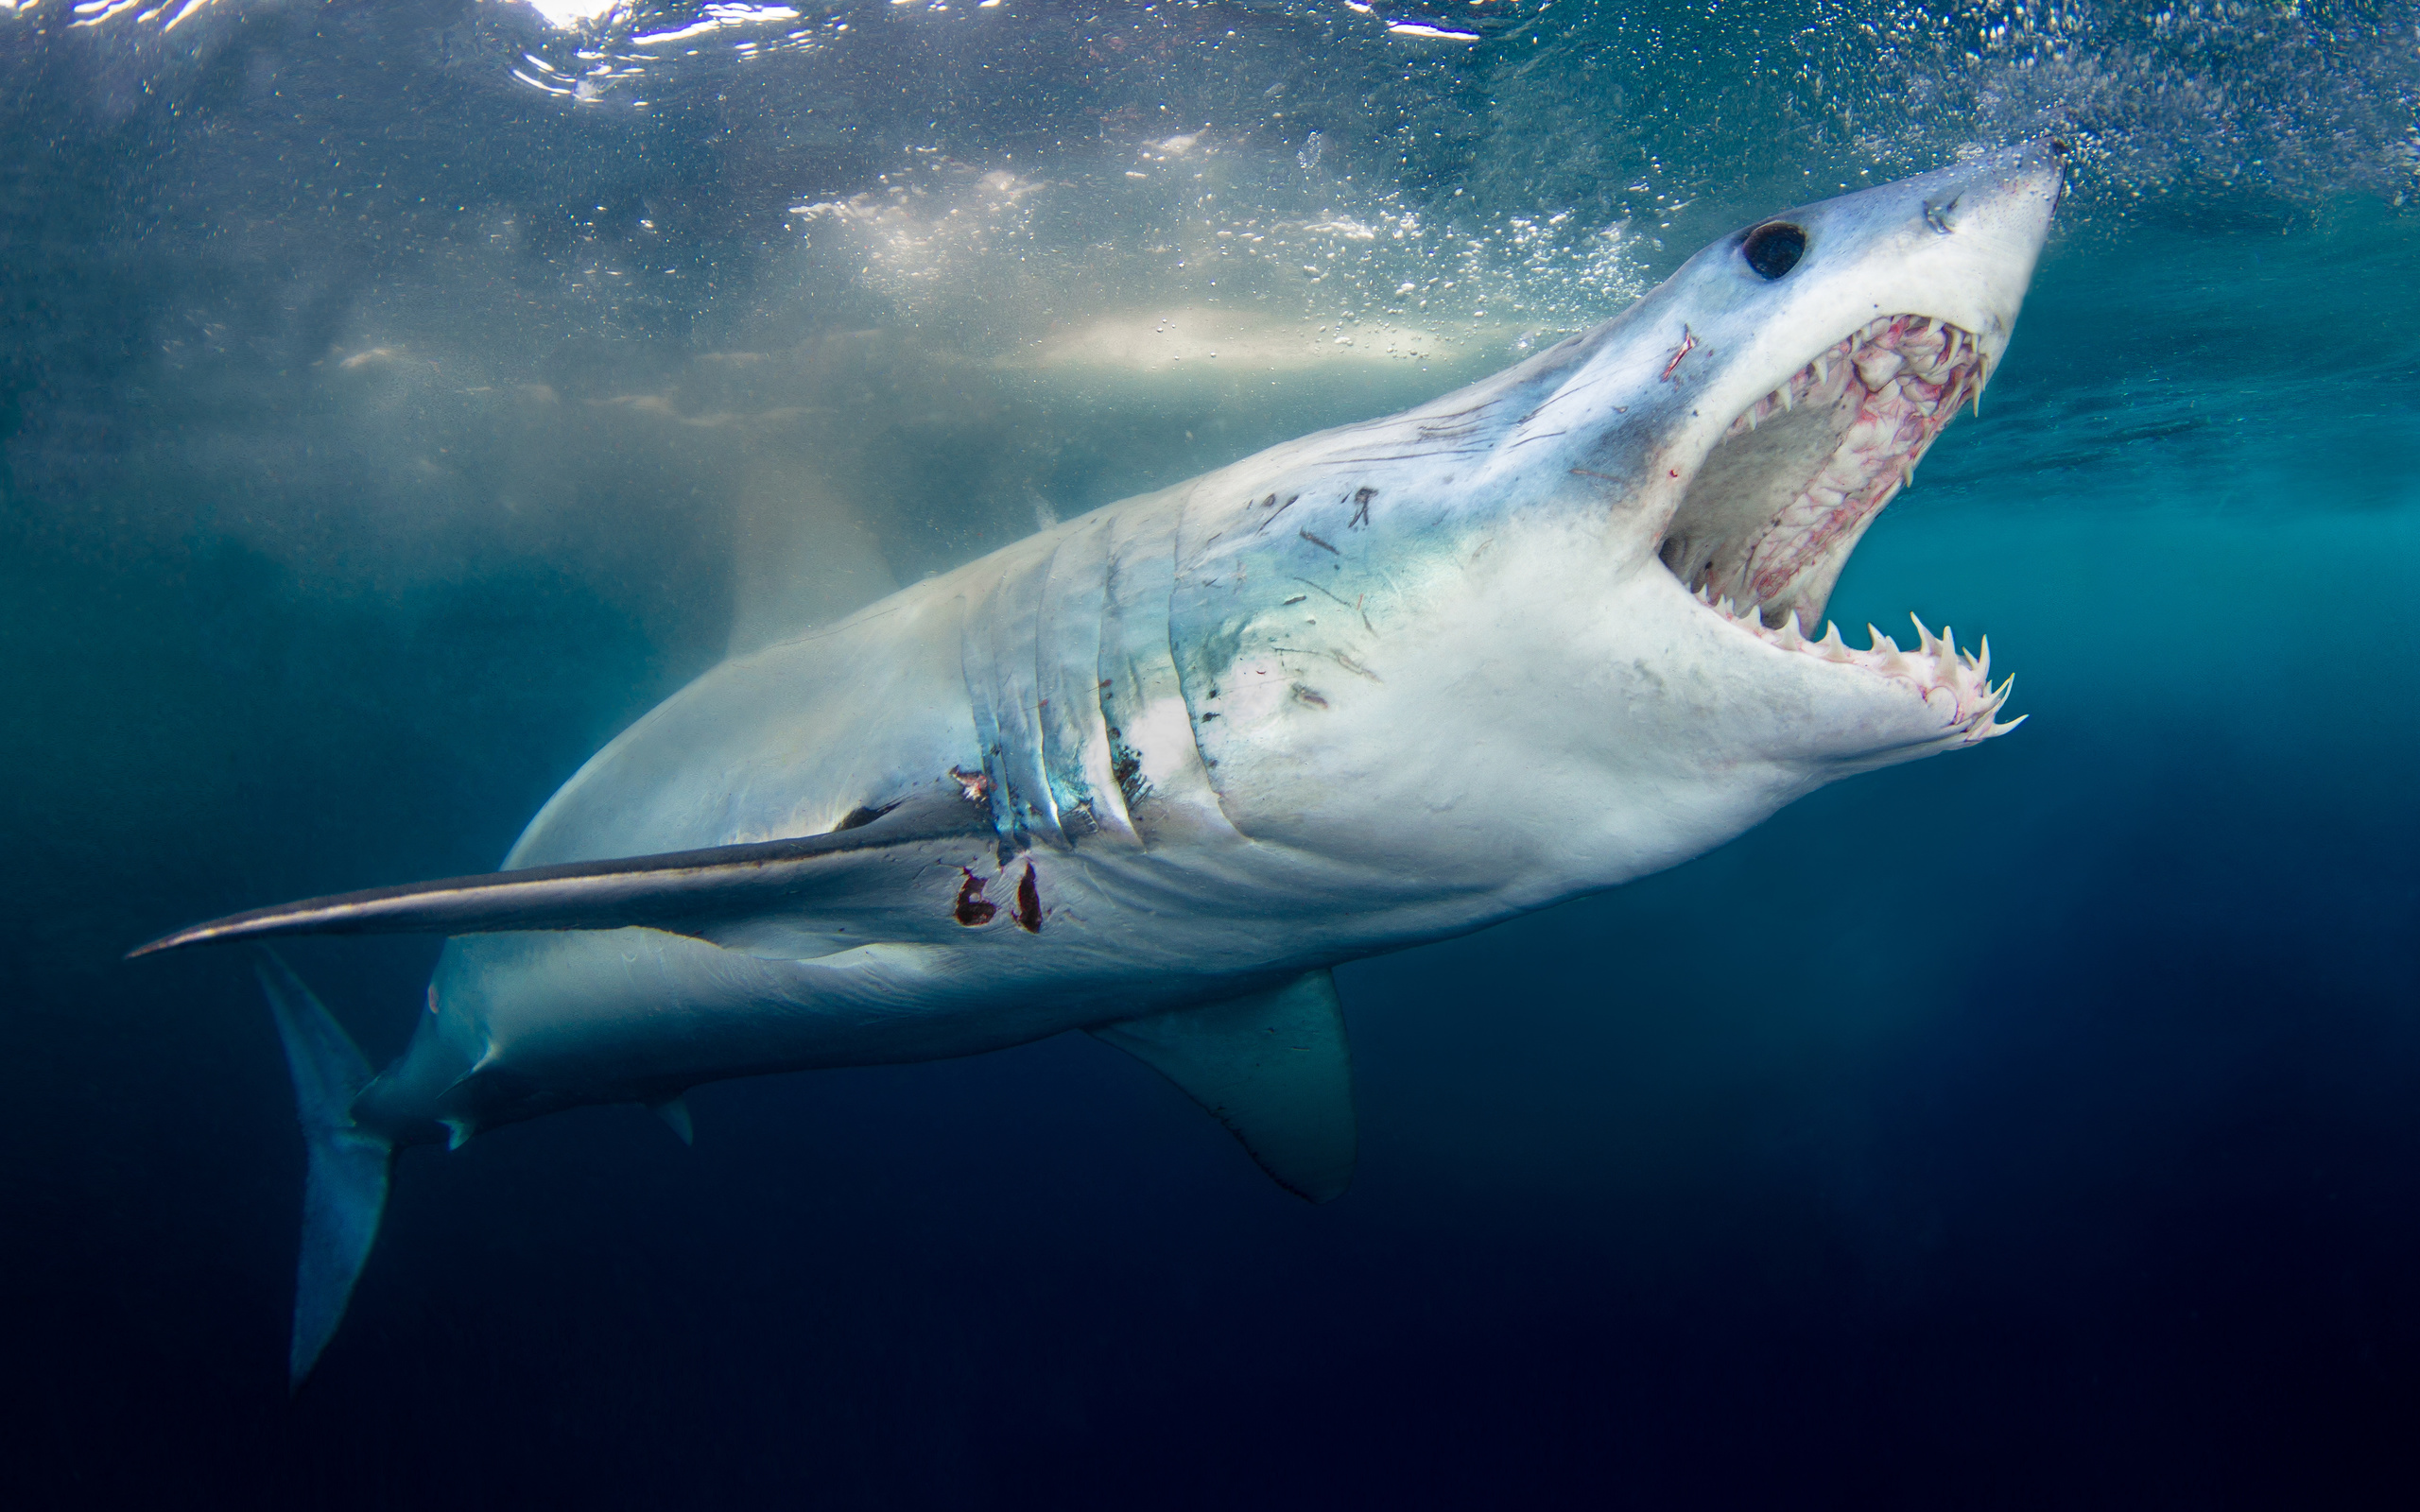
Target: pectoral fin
column 1273, row 1066
column 674, row 1110
column 710, row 893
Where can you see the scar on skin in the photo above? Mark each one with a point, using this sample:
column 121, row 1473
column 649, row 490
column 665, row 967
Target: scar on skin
column 1303, row 694
column 1029, row 903
column 1317, row 541
column 1688, row 344
column 973, row 908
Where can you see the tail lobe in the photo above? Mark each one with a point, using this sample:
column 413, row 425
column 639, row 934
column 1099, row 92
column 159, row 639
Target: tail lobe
column 345, row 1190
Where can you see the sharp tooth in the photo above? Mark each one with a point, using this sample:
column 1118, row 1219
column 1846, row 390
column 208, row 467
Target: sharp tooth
column 1822, row 369
column 1984, row 664
column 1724, row 603
column 1923, row 636
column 1785, row 401
column 1831, row 644
column 1875, row 641
column 1749, row 419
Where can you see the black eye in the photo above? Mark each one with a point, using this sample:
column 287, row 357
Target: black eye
column 1775, row 249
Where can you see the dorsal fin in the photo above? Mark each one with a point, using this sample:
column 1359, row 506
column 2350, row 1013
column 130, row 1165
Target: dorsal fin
column 1272, row 1066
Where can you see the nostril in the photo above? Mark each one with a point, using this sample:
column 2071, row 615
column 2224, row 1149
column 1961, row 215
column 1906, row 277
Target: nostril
column 2059, row 146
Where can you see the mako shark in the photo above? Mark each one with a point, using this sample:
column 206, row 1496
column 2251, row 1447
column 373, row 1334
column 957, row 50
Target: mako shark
column 1154, row 772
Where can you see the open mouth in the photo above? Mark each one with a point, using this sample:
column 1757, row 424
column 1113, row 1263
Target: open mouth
column 1771, row 517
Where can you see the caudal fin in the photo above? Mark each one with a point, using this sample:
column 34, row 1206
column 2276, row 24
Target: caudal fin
column 345, row 1190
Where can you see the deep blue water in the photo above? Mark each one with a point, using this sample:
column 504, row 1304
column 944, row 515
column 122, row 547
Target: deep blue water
column 381, row 430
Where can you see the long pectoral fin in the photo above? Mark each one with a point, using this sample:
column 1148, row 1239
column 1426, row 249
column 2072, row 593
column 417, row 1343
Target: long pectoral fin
column 1273, row 1066
column 688, row 892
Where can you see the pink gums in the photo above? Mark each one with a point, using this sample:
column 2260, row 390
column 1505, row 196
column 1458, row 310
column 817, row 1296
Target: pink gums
column 1908, row 376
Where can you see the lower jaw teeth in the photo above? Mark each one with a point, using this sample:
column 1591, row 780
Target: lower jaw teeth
column 1935, row 663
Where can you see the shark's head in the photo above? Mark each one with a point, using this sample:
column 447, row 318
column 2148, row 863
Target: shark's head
column 1587, row 598
column 1819, row 353
column 1772, row 395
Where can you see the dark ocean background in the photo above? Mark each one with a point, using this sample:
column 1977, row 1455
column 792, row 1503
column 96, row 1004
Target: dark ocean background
column 397, row 400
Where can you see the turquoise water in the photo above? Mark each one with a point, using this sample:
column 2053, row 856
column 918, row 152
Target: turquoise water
column 394, row 402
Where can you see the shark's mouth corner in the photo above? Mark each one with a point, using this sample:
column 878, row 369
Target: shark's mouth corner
column 1771, row 516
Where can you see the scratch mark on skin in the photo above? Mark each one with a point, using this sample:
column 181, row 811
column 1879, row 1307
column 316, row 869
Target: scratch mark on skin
column 1569, row 395
column 1322, row 591
column 1365, row 618
column 1361, row 498
column 1583, row 472
column 1407, row 457
column 1456, row 414
column 1317, row 541
column 1297, row 598
column 1273, row 513
column 1688, row 344
column 1337, row 657
column 973, row 908
column 1303, row 694
column 1029, row 903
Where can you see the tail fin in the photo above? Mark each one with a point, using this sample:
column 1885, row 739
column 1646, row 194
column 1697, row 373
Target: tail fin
column 346, row 1189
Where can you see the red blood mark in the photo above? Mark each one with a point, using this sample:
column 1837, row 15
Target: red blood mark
column 973, row 907
column 1688, row 344
column 1029, row 903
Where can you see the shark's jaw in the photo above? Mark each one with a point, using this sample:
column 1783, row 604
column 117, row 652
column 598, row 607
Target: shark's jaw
column 1777, row 507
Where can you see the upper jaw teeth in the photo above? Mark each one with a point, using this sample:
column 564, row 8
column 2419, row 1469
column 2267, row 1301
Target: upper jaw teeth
column 1942, row 366
column 1934, row 665
column 1885, row 391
